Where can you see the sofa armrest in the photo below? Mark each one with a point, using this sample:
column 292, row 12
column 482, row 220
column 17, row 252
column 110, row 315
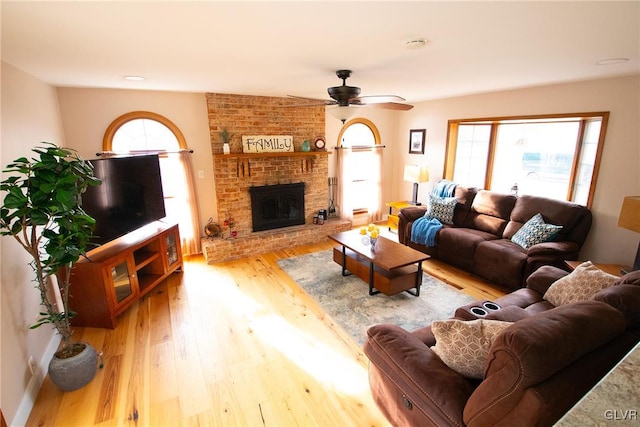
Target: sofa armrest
column 405, row 216
column 562, row 249
column 431, row 387
column 545, row 276
column 412, row 213
column 550, row 253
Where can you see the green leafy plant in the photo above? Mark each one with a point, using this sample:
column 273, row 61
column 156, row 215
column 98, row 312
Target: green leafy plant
column 42, row 211
column 225, row 136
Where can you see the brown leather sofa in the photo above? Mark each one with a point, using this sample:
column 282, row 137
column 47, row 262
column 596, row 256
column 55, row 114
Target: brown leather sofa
column 537, row 368
column 479, row 241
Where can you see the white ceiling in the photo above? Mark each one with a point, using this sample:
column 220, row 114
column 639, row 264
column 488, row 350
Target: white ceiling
column 294, row 48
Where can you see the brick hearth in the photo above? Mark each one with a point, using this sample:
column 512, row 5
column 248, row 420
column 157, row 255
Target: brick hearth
column 216, row 250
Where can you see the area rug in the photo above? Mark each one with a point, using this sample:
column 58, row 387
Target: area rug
column 347, row 299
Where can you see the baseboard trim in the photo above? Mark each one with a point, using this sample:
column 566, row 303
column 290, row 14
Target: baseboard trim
column 31, row 392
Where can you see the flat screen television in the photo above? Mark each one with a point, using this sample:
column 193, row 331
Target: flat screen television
column 129, row 197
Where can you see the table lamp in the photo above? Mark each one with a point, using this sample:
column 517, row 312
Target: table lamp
column 630, row 219
column 415, row 174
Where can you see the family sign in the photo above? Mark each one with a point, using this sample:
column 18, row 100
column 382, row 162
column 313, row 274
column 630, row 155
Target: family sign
column 267, row 143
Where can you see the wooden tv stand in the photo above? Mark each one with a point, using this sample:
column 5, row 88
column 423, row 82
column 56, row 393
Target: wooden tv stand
column 119, row 273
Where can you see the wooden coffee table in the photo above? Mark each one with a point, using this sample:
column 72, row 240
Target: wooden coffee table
column 390, row 269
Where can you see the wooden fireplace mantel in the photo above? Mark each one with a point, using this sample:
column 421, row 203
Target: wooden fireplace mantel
column 277, row 154
column 241, row 164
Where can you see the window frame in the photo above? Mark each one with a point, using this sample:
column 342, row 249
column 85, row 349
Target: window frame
column 107, row 140
column 452, row 140
column 368, row 123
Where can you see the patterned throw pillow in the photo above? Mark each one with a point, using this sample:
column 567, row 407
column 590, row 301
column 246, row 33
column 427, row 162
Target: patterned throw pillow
column 441, row 208
column 535, row 231
column 464, row 345
column 581, row 284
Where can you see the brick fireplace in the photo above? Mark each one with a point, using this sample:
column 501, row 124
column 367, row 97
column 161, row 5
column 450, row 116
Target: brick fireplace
column 236, row 173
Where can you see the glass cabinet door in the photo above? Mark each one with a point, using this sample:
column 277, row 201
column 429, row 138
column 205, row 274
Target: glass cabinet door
column 121, row 280
column 172, row 249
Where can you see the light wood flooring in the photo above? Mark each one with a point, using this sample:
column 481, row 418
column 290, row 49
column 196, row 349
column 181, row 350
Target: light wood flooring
column 232, row 344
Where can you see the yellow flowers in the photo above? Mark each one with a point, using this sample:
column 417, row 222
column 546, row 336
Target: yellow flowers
column 371, row 229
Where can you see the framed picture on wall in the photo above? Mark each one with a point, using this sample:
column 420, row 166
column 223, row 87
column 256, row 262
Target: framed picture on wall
column 416, row 141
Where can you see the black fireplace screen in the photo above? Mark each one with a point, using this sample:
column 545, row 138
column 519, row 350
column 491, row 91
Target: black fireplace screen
column 277, row 206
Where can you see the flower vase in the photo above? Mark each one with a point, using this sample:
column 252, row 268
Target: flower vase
column 225, row 148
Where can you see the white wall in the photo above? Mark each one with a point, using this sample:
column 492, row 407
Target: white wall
column 619, row 171
column 29, row 115
column 86, row 114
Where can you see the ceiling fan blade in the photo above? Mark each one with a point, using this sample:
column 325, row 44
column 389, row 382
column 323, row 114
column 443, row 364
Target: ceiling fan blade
column 389, row 106
column 377, row 99
column 317, row 101
column 311, row 104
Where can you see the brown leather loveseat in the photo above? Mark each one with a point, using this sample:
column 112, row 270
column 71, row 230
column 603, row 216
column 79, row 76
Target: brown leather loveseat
column 536, row 369
column 484, row 222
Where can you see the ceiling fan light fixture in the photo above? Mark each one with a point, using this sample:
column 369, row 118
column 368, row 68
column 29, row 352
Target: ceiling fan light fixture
column 342, row 113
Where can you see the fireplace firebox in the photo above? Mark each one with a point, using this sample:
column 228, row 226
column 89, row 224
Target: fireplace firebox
column 277, row 206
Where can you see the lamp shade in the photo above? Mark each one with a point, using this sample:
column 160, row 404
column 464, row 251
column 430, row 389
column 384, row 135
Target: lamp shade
column 415, row 173
column 630, row 214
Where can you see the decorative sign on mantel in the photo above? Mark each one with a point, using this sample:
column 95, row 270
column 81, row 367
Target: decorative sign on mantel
column 267, row 143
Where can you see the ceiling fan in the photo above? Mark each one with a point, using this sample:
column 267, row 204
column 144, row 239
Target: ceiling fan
column 345, row 96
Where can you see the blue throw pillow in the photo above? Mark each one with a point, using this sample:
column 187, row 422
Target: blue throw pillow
column 535, row 231
column 441, row 208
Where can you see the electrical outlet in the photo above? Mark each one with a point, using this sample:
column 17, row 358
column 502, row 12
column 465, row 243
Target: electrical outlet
column 32, row 365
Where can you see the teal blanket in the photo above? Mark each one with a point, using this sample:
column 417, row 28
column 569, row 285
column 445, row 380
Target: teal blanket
column 424, row 230
column 444, row 188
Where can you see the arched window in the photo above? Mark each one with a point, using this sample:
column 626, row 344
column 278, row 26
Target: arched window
column 359, row 132
column 143, row 131
column 147, row 132
column 359, row 171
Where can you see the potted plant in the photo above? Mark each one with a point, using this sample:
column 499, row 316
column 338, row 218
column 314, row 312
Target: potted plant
column 42, row 211
column 226, row 137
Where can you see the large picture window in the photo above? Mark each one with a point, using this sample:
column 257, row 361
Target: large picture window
column 553, row 156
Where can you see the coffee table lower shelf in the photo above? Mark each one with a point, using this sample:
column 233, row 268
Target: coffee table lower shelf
column 388, row 282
